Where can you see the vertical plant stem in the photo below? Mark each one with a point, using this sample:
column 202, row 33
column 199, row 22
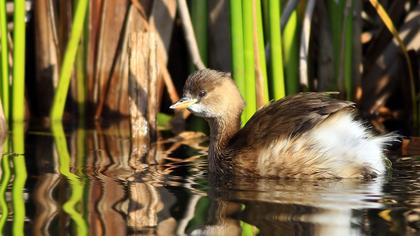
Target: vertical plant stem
column 69, row 56
column 81, row 84
column 335, row 11
column 20, row 176
column 249, row 62
column 276, row 50
column 81, row 73
column 260, row 52
column 199, row 19
column 238, row 67
column 348, row 50
column 265, row 18
column 304, row 44
column 189, row 34
column 4, row 84
column 18, row 88
column 290, row 49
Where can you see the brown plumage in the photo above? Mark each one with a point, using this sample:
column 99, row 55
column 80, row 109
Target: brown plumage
column 309, row 135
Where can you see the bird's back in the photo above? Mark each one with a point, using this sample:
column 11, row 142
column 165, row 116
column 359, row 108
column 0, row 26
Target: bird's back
column 307, row 135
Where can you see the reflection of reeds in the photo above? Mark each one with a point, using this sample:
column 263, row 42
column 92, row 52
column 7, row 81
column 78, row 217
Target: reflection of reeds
column 5, row 178
column 20, row 175
column 76, row 185
column 46, row 206
column 146, row 196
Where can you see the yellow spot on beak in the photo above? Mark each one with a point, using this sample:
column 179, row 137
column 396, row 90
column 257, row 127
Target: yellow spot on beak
column 183, row 103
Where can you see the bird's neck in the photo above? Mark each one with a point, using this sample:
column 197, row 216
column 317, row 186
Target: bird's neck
column 221, row 131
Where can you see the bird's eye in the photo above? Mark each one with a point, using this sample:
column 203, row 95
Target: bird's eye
column 202, row 93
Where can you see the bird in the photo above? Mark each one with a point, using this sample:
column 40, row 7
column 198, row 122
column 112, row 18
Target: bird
column 310, row 135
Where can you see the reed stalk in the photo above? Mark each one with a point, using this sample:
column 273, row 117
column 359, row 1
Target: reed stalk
column 261, row 51
column 335, row 11
column 20, row 176
column 249, row 61
column 4, row 84
column 76, row 185
column 199, row 14
column 348, row 50
column 81, row 76
column 68, row 61
column 238, row 65
column 265, row 18
column 18, row 87
column 290, row 49
column 304, row 45
column 277, row 73
column 199, row 20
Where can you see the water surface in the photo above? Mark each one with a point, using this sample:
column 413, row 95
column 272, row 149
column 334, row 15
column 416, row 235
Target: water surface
column 102, row 182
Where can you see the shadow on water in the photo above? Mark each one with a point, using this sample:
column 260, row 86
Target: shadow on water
column 89, row 182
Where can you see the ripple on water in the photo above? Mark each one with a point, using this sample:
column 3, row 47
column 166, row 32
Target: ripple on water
column 106, row 190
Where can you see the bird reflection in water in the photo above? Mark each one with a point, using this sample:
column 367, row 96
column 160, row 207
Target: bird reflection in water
column 290, row 207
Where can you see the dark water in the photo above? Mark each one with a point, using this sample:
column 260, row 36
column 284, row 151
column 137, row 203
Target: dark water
column 94, row 183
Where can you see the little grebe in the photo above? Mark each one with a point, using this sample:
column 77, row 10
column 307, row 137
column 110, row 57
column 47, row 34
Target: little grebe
column 309, row 135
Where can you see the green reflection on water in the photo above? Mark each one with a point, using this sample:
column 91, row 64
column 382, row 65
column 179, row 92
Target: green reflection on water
column 20, row 176
column 5, row 178
column 76, row 184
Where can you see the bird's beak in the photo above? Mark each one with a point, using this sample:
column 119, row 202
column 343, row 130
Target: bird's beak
column 183, row 103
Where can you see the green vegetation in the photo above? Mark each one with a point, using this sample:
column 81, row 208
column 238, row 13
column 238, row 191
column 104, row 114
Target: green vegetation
column 291, row 52
column 249, row 62
column 76, row 185
column 5, row 178
column 20, row 176
column 69, row 57
column 18, row 85
column 4, row 83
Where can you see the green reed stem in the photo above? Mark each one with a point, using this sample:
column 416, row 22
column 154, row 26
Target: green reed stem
column 68, row 61
column 199, row 18
column 265, row 18
column 81, row 71
column 335, row 11
column 291, row 58
column 237, row 44
column 249, row 61
column 20, row 176
column 81, row 80
column 276, row 50
column 348, row 51
column 18, row 88
column 76, row 184
column 261, row 51
column 238, row 65
column 4, row 84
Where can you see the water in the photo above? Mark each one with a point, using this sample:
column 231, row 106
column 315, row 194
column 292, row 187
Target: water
column 90, row 183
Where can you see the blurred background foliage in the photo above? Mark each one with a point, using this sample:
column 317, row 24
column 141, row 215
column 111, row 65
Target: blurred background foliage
column 71, row 59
